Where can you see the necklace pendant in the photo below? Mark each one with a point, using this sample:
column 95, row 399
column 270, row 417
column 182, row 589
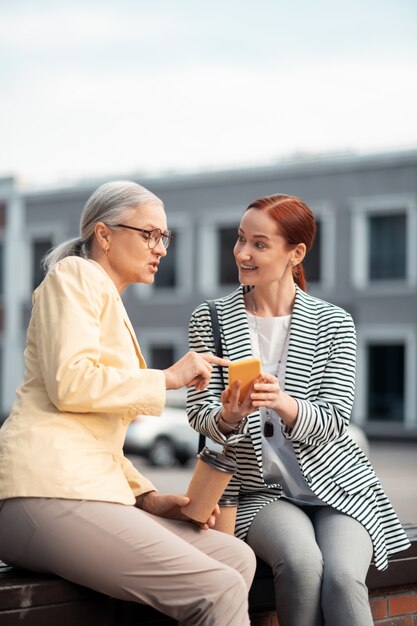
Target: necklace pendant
column 268, row 429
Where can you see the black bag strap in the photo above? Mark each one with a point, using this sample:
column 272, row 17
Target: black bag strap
column 216, row 332
column 218, row 351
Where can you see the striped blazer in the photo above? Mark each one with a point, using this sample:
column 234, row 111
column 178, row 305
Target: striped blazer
column 320, row 375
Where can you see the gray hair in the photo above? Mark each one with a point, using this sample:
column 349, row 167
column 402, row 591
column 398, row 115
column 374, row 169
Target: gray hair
column 111, row 203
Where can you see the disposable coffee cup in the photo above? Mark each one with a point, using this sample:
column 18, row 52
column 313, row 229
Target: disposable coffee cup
column 212, row 474
column 226, row 521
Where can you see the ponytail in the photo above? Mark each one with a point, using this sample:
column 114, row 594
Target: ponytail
column 299, row 276
column 72, row 247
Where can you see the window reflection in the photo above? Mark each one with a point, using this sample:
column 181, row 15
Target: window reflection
column 166, row 277
column 39, row 248
column 161, row 356
column 386, row 382
column 228, row 274
column 387, row 247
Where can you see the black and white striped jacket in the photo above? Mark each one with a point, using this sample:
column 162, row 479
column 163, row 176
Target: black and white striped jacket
column 320, row 375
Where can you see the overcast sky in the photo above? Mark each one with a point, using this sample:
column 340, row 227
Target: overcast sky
column 109, row 88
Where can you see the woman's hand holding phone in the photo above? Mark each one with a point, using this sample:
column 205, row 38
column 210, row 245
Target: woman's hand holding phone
column 236, row 399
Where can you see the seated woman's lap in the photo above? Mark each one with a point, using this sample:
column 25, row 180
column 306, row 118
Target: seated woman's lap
column 282, row 533
column 120, row 550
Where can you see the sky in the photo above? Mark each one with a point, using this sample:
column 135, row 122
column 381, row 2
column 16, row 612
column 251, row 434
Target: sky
column 128, row 87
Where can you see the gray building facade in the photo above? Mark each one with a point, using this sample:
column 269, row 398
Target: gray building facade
column 364, row 259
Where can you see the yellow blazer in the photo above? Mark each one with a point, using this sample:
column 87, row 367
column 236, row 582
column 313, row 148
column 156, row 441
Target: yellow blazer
column 85, row 380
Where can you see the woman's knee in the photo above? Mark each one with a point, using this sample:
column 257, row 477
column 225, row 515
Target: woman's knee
column 225, row 592
column 232, row 586
column 342, row 581
column 300, row 566
column 345, row 594
column 245, row 563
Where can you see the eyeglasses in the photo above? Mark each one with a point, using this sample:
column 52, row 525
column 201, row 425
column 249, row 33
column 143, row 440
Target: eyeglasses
column 153, row 237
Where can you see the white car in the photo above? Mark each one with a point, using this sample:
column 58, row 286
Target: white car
column 164, row 440
column 168, row 439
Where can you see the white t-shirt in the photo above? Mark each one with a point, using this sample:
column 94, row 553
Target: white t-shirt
column 269, row 339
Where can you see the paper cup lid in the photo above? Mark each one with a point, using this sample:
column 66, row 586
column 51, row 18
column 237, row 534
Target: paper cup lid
column 217, row 460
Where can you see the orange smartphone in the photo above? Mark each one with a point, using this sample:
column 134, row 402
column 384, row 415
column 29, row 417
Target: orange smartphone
column 246, row 371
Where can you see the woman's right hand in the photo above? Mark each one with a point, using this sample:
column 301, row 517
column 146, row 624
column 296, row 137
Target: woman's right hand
column 169, row 506
column 193, row 370
column 233, row 410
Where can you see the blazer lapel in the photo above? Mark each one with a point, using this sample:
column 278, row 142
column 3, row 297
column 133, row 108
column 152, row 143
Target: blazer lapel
column 119, row 303
column 129, row 326
column 235, row 327
column 234, row 323
column 302, row 345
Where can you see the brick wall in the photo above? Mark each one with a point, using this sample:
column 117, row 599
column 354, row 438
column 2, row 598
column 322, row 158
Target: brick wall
column 395, row 608
column 389, row 608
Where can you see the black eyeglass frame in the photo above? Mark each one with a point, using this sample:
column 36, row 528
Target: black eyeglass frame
column 166, row 237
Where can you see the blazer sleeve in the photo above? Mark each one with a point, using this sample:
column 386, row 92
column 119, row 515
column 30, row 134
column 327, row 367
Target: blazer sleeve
column 67, row 314
column 204, row 407
column 326, row 417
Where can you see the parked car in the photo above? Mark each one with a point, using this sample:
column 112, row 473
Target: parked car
column 168, row 439
column 164, row 440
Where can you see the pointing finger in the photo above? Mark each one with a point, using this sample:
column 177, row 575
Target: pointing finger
column 212, row 358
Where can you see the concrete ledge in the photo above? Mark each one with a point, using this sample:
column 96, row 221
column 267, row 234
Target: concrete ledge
column 40, row 600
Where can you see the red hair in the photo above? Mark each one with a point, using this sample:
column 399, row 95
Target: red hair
column 295, row 221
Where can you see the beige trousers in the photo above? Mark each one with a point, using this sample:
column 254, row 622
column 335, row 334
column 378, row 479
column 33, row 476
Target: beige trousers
column 197, row 577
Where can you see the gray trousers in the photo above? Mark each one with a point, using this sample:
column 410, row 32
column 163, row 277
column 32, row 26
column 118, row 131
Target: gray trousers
column 320, row 558
column 197, row 577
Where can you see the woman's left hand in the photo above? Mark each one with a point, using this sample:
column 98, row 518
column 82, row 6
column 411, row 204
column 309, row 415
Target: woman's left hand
column 169, row 505
column 267, row 392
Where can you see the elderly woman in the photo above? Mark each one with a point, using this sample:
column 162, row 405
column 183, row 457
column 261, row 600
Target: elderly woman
column 70, row 502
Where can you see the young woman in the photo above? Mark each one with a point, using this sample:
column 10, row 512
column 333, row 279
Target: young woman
column 70, row 502
column 310, row 503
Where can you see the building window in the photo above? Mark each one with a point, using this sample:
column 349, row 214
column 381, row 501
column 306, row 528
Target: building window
column 312, row 261
column 384, row 255
column 1, row 268
column 161, row 356
column 227, row 237
column 166, row 277
column 386, row 392
column 39, row 248
column 2, row 277
column 386, row 374
column 387, row 247
column 2, row 215
column 1, row 381
column 217, row 236
column 162, row 346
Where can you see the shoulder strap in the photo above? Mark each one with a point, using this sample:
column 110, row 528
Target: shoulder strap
column 218, row 351
column 216, row 328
